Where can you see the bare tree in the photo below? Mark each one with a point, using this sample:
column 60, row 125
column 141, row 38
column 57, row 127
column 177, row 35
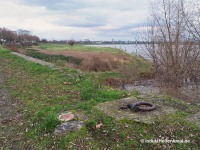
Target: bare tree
column 175, row 56
column 7, row 35
column 192, row 18
column 11, row 36
column 129, row 72
column 35, row 38
column 71, row 42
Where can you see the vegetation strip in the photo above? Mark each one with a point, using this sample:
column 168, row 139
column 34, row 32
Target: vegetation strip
column 41, row 62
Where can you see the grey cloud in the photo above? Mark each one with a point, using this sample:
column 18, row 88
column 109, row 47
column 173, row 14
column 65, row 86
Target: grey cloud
column 79, row 24
column 102, row 18
column 63, row 5
column 88, row 25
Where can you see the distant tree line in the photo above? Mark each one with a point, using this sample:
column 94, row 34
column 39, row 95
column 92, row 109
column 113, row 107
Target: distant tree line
column 70, row 42
column 8, row 36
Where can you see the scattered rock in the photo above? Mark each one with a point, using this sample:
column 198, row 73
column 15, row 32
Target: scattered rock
column 67, row 83
column 68, row 127
column 99, row 125
column 73, row 121
column 67, row 117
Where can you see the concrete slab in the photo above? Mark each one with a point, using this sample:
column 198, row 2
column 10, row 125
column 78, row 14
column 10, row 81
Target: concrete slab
column 112, row 109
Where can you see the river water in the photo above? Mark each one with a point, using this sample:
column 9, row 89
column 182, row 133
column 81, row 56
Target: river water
column 129, row 48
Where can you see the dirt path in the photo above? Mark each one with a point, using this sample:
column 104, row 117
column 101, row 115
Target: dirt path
column 44, row 63
column 9, row 116
column 7, row 106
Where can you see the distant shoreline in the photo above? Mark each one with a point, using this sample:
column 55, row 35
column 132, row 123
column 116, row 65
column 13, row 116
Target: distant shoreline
column 112, row 43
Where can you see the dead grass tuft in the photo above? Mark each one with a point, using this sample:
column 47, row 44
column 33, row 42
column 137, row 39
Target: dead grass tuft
column 94, row 61
column 12, row 47
column 15, row 48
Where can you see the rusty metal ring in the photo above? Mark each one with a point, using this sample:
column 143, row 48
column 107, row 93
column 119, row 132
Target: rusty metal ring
column 136, row 106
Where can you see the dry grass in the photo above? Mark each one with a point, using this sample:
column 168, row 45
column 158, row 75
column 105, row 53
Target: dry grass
column 12, row 47
column 94, row 61
column 15, row 48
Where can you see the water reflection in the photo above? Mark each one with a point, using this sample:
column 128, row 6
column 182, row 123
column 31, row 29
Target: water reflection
column 129, row 48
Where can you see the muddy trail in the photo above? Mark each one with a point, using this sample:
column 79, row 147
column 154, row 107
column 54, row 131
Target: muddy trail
column 9, row 117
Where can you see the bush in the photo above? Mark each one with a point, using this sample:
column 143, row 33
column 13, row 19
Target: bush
column 71, row 42
column 12, row 47
column 130, row 73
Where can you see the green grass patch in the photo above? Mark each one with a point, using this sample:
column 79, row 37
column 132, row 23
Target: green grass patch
column 3, row 49
column 53, row 58
column 77, row 47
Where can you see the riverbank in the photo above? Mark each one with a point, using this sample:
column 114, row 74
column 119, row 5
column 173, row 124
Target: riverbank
column 92, row 59
column 134, row 49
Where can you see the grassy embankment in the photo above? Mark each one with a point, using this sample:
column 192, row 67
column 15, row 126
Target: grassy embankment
column 81, row 57
column 77, row 47
column 106, row 62
column 43, row 95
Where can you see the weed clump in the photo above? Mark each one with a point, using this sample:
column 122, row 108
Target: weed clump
column 53, row 58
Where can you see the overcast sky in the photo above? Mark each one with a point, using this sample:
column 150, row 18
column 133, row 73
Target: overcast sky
column 75, row 19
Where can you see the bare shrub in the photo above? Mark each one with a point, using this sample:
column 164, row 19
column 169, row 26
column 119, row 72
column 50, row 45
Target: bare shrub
column 130, row 73
column 192, row 18
column 95, row 64
column 99, row 63
column 71, row 42
column 175, row 55
column 114, row 82
column 12, row 47
column 147, row 74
